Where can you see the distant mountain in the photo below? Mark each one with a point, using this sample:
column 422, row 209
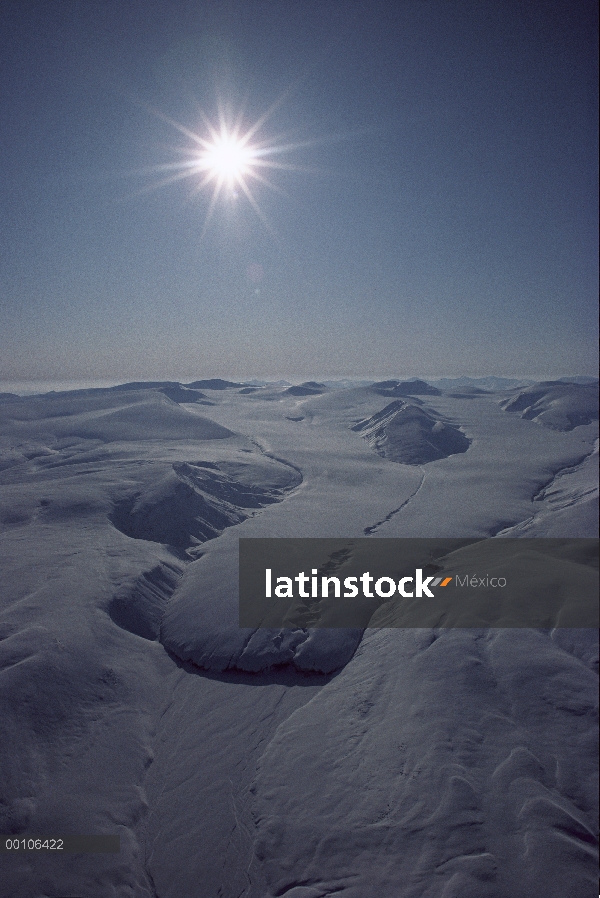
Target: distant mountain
column 169, row 388
column 267, row 383
column 491, row 383
column 468, row 393
column 173, row 390
column 346, row 383
column 214, row 383
column 413, row 387
column 309, row 388
column 579, row 379
column 140, row 385
column 556, row 404
column 405, row 433
column 110, row 415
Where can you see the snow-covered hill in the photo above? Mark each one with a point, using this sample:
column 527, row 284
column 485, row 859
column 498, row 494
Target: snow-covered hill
column 387, row 763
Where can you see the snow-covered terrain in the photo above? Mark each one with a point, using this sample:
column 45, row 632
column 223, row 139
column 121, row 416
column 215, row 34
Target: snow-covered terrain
column 384, row 763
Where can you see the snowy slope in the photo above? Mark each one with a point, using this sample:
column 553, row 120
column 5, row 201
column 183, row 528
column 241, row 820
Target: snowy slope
column 305, row 764
column 555, row 404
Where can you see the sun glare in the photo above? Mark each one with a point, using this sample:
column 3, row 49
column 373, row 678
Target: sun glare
column 226, row 158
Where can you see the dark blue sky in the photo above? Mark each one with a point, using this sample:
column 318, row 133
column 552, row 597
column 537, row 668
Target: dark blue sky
column 443, row 219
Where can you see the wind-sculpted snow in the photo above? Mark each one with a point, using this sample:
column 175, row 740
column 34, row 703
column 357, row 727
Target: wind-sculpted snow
column 561, row 406
column 296, row 763
column 436, row 764
column 405, row 433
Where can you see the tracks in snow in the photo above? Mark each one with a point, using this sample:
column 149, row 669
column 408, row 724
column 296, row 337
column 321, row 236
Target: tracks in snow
column 374, row 527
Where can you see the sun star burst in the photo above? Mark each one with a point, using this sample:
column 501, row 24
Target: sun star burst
column 227, row 158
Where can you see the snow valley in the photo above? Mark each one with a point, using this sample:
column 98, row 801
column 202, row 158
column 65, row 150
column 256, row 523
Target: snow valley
column 306, row 761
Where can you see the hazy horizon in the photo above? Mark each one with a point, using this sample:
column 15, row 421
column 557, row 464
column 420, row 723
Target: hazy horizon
column 26, row 387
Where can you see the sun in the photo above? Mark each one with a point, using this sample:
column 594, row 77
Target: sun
column 227, row 158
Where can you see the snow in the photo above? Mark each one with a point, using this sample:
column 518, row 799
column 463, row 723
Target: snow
column 437, row 763
column 304, row 763
column 555, row 404
column 405, row 433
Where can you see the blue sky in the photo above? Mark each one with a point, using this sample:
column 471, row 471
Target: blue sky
column 441, row 218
